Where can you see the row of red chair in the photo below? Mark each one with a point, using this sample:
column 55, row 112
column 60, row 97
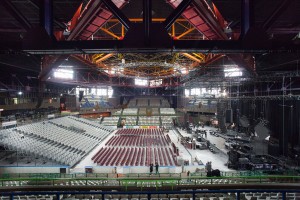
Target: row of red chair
column 134, row 156
column 136, row 140
column 139, row 132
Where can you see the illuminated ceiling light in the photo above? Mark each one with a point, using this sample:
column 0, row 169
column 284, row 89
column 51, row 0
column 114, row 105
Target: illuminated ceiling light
column 20, row 93
column 63, row 73
column 66, row 66
column 184, row 71
column 232, row 71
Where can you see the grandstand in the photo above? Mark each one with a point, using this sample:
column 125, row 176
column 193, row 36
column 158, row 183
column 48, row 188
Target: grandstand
column 110, row 121
column 64, row 140
column 143, row 111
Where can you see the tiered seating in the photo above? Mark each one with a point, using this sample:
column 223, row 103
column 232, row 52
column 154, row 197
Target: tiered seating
column 155, row 111
column 110, row 121
column 136, row 147
column 142, row 102
column 165, row 103
column 132, row 103
column 119, row 112
column 54, row 133
column 130, row 111
column 65, row 140
column 167, row 111
column 41, row 147
column 89, row 127
column 155, row 102
column 153, row 120
column 166, row 121
column 93, row 124
column 142, row 111
column 130, row 121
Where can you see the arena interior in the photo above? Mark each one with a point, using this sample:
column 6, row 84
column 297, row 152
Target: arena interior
column 149, row 99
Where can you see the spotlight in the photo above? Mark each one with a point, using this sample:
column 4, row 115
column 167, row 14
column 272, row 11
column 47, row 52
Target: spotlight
column 20, row 93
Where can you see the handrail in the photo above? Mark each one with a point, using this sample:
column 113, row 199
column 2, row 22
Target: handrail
column 155, row 178
column 153, row 181
column 234, row 193
column 139, row 175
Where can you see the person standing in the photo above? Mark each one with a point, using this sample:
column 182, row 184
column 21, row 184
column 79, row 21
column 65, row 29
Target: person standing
column 156, row 168
column 151, row 168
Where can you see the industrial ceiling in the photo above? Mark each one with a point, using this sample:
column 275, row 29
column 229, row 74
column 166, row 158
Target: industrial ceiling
column 179, row 41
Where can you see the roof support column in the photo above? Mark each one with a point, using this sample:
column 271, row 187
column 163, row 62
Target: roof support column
column 46, row 15
column 147, row 19
column 247, row 20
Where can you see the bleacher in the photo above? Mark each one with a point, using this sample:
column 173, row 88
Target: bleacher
column 38, row 146
column 136, row 147
column 155, row 102
column 153, row 120
column 165, row 103
column 118, row 112
column 142, row 102
column 142, row 111
column 130, row 121
column 65, row 140
column 146, row 110
column 155, row 111
column 166, row 121
column 130, row 111
column 132, row 103
column 167, row 111
column 110, row 121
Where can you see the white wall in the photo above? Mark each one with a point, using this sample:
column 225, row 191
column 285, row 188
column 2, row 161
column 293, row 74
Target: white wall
column 31, row 170
column 135, row 169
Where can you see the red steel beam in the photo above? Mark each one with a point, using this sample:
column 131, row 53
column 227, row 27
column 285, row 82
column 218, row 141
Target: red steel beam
column 210, row 23
column 203, row 18
column 93, row 17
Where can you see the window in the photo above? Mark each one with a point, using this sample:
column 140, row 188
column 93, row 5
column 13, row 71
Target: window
column 195, row 91
column 93, row 91
column 187, row 92
column 141, row 82
column 110, row 92
column 233, row 72
column 155, row 82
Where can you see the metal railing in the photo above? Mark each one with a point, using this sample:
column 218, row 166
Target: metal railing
column 230, row 194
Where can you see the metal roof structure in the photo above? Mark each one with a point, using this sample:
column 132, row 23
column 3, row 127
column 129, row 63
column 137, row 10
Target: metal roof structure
column 152, row 39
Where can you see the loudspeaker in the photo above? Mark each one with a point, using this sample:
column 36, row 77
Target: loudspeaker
column 216, row 172
column 80, row 95
column 229, row 116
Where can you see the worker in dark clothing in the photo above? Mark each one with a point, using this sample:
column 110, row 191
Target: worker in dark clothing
column 151, row 168
column 156, row 168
